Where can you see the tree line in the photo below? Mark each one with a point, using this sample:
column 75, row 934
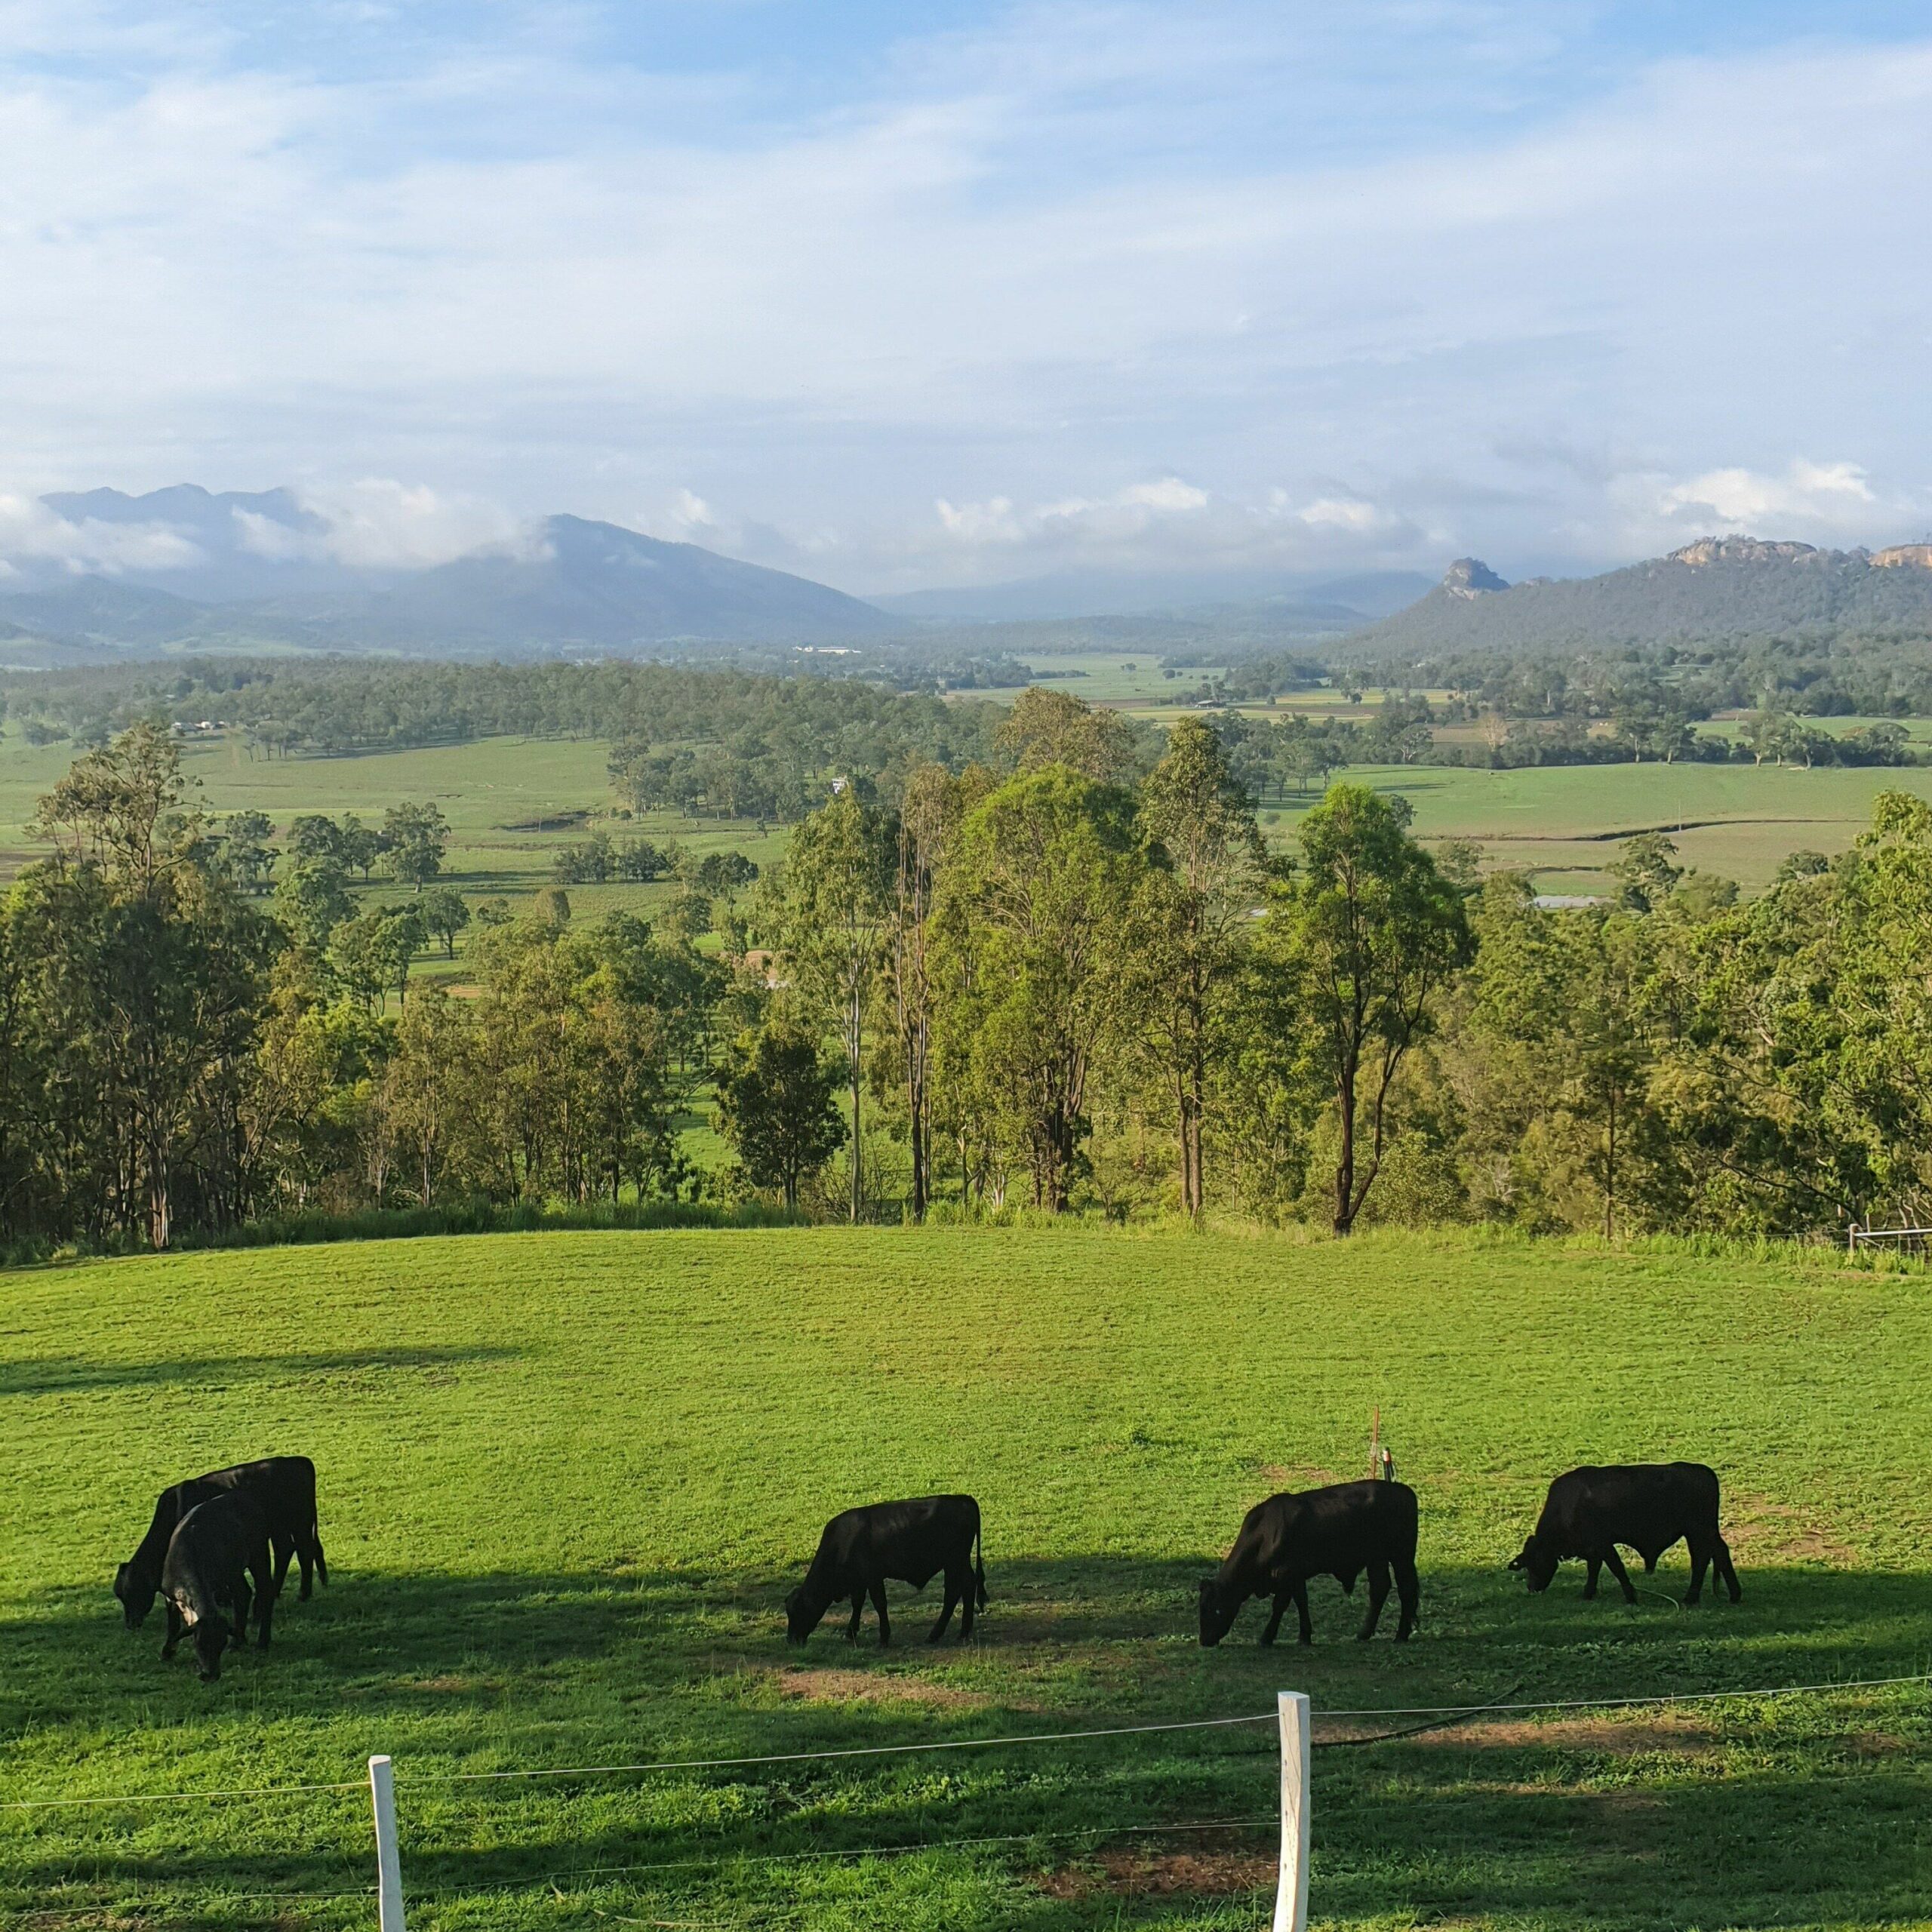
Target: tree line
column 1069, row 977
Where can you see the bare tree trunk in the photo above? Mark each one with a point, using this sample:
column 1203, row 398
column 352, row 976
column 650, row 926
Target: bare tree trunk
column 1345, row 1161
column 854, row 1023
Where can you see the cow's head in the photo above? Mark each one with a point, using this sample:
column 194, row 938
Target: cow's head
column 212, row 1636
column 803, row 1614
column 137, row 1593
column 1536, row 1560
column 1219, row 1608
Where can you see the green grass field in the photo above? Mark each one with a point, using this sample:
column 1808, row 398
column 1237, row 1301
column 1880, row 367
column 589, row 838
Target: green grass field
column 513, row 804
column 566, row 1479
column 1560, row 823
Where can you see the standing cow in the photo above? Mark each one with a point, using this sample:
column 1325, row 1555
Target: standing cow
column 285, row 1488
column 1340, row 1532
column 908, row 1542
column 1648, row 1506
column 216, row 1547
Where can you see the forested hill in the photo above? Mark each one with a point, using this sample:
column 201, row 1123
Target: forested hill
column 1716, row 591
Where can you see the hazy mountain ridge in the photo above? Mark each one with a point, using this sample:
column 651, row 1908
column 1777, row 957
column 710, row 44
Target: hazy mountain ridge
column 573, row 585
column 1715, row 589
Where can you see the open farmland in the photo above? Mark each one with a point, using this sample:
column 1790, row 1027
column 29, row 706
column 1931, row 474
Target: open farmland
column 1562, row 822
column 566, row 1480
column 513, row 804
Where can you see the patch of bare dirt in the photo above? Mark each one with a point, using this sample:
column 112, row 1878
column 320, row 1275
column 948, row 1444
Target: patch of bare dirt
column 1146, row 1869
column 1761, row 1531
column 1616, row 1737
column 1874, row 1744
column 1303, row 1478
column 835, row 1686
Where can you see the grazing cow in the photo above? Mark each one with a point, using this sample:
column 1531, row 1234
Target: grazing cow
column 284, row 1485
column 1340, row 1532
column 216, row 1547
column 1648, row 1506
column 907, row 1542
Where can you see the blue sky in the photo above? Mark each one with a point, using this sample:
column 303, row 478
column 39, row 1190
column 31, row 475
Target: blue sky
column 903, row 296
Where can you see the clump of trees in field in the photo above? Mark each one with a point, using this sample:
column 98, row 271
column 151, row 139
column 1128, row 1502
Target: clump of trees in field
column 1069, row 976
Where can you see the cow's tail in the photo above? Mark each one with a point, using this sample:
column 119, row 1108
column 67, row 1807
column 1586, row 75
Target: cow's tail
column 315, row 1540
column 978, row 1570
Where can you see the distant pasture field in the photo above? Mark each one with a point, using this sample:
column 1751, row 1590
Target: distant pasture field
column 512, row 804
column 1563, row 822
column 566, row 1479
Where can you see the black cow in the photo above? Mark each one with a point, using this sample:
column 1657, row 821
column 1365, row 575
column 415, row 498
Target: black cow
column 1648, row 1506
column 216, row 1547
column 907, row 1542
column 285, row 1487
column 1340, row 1532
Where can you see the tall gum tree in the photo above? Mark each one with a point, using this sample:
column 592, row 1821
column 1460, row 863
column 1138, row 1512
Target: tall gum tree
column 1364, row 938
column 1035, row 912
column 1193, row 918
column 838, row 900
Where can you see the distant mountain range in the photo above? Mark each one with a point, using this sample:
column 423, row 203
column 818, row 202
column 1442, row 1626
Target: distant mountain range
column 1719, row 588
column 1321, row 602
column 244, row 571
column 252, row 572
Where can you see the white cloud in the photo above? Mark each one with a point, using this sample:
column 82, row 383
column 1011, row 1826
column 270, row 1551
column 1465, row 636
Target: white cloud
column 1062, row 248
column 379, row 523
column 1808, row 492
column 1833, row 502
column 30, row 534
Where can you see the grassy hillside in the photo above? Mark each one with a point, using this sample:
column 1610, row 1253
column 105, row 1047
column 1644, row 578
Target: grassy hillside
column 566, row 1479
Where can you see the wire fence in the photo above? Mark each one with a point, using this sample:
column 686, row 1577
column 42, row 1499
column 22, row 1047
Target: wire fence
column 1413, row 1719
column 1363, row 1714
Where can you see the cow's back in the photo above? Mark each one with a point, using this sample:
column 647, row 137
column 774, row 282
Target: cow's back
column 286, row 1485
column 1343, row 1527
column 1630, row 1502
column 858, row 1542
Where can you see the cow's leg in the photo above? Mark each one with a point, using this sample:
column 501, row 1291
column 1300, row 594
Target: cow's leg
column 1281, row 1610
column 884, row 1621
column 265, row 1602
column 1378, row 1595
column 175, row 1627
column 952, row 1600
column 1408, row 1590
column 1700, row 1557
column 1301, row 1610
column 1614, row 1565
column 240, row 1636
column 1727, row 1575
column 281, row 1555
column 858, row 1608
column 1595, row 1565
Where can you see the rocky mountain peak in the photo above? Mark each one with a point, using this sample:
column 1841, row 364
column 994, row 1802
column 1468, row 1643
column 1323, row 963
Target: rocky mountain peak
column 1470, row 576
column 1741, row 550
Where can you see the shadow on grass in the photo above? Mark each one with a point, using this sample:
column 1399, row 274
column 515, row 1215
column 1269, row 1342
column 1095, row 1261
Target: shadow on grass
column 48, row 1375
column 1743, row 1814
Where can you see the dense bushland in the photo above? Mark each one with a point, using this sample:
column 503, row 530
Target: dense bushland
column 1070, row 976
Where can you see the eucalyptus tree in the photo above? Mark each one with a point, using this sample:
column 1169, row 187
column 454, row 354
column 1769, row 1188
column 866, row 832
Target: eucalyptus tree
column 1365, row 936
column 838, row 902
column 1193, row 918
column 1036, row 915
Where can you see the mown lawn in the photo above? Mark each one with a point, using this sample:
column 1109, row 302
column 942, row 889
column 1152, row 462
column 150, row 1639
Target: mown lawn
column 566, row 1479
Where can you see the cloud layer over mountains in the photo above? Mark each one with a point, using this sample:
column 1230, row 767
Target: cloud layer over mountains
column 1026, row 288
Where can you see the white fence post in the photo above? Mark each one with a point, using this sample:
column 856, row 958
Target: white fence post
column 1291, row 1889
column 389, row 1863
